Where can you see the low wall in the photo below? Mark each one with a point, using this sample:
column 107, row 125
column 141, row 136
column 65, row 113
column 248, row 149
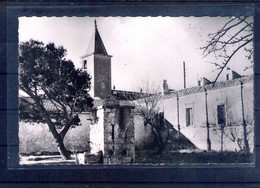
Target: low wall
column 36, row 137
column 97, row 133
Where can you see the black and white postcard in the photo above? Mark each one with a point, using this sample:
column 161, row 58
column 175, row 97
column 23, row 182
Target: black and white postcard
column 136, row 90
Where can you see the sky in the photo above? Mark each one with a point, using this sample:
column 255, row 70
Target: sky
column 143, row 48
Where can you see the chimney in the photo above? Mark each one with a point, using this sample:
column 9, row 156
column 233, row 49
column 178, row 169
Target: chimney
column 198, row 80
column 230, row 74
column 165, row 87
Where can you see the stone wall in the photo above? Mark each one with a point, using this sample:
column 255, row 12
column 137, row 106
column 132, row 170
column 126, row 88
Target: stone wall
column 131, row 130
column 87, row 137
column 116, row 125
column 97, row 133
column 36, row 137
column 143, row 134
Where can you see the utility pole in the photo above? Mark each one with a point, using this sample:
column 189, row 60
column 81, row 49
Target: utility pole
column 178, row 118
column 184, row 74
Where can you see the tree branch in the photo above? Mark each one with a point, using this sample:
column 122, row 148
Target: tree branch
column 230, row 57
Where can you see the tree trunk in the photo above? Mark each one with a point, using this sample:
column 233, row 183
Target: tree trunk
column 58, row 138
column 59, row 141
column 62, row 149
column 161, row 144
column 158, row 139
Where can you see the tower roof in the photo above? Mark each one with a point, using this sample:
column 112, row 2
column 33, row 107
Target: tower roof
column 96, row 45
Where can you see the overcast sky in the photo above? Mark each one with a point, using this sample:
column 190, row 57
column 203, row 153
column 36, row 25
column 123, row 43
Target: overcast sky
column 143, row 48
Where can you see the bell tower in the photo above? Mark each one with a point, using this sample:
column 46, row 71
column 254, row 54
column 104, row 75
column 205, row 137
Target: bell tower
column 97, row 63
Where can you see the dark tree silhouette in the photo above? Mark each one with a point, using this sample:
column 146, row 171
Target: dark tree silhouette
column 56, row 90
column 234, row 36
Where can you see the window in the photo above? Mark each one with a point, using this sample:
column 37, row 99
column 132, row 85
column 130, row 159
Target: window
column 227, row 77
column 221, row 114
column 84, row 64
column 188, row 116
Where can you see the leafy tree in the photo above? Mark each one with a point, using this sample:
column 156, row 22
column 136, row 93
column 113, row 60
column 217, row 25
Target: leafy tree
column 235, row 35
column 56, row 90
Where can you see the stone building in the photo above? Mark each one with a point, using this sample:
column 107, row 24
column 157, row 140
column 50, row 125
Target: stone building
column 216, row 116
column 209, row 113
column 221, row 110
column 97, row 63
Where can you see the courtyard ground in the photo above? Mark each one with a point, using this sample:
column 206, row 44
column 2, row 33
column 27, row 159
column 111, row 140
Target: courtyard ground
column 45, row 160
column 149, row 157
column 194, row 157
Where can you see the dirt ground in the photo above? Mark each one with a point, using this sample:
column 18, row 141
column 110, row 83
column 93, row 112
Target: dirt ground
column 46, row 160
column 149, row 157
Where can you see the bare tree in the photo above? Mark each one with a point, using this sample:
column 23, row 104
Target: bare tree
column 232, row 131
column 148, row 104
column 234, row 36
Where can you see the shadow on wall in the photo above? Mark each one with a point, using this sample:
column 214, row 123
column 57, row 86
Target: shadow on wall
column 144, row 138
column 143, row 133
column 176, row 142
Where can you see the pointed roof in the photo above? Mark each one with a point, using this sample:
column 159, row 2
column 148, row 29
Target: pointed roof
column 96, row 45
column 99, row 45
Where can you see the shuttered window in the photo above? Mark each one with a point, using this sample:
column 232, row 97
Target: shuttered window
column 85, row 64
column 188, row 116
column 221, row 114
